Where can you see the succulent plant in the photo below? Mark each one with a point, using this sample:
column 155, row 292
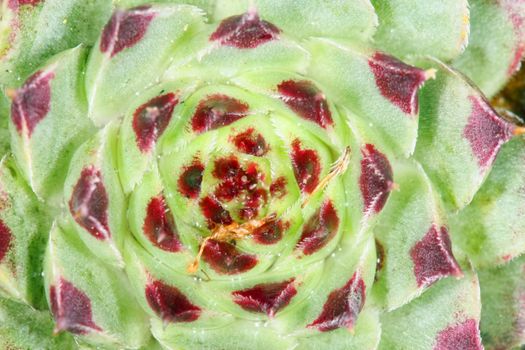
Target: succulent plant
column 264, row 174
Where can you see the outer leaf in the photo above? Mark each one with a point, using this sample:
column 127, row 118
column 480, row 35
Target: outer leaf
column 406, row 27
column 204, row 57
column 23, row 233
column 502, row 296
column 413, row 237
column 27, row 328
column 367, row 84
column 496, row 44
column 89, row 298
column 353, row 20
column 49, row 122
column 445, row 317
column 93, row 196
column 36, row 30
column 143, row 128
column 459, row 136
column 135, row 48
column 491, row 228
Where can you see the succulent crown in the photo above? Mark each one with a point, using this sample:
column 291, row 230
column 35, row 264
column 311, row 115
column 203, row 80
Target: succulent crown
column 254, row 177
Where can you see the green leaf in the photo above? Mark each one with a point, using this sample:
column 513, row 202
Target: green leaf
column 128, row 59
column 490, row 228
column 354, row 20
column 413, row 235
column 89, row 298
column 207, row 61
column 34, row 33
column 406, row 27
column 93, row 196
column 357, row 81
column 25, row 328
column 496, row 45
column 502, row 293
column 48, row 122
column 444, row 317
column 143, row 127
column 24, row 234
column 365, row 335
column 460, row 135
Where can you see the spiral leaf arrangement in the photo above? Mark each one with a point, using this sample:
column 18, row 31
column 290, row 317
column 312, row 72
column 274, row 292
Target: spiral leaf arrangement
column 226, row 175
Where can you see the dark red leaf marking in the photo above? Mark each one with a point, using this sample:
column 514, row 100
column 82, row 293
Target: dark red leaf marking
column 463, row 336
column 398, row 82
column 278, row 187
column 486, row 131
column 5, row 240
column 376, row 179
column 224, row 258
column 125, row 29
column 15, row 4
column 306, row 167
column 151, row 119
column 266, row 298
column 214, row 211
column 237, row 181
column 226, row 168
column 71, row 309
column 245, row 31
column 170, row 304
column 89, row 203
column 32, row 102
column 216, row 111
column 160, row 227
column 319, row 230
column 432, row 257
column 190, row 180
column 270, row 232
column 251, row 142
column 342, row 306
column 305, row 99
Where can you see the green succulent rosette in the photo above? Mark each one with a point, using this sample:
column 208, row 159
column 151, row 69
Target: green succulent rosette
column 259, row 175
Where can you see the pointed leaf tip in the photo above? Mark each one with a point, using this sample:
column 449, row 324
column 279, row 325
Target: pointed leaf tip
column 71, row 308
column 245, row 31
column 398, row 82
column 432, row 257
column 125, row 29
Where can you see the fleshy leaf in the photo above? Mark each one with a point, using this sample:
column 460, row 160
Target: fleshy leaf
column 50, row 102
column 143, row 128
column 414, row 238
column 439, row 29
column 354, row 20
column 502, row 295
column 496, row 45
column 445, row 317
column 89, row 298
column 23, row 234
column 16, row 334
column 37, row 30
column 459, row 137
column 488, row 229
column 133, row 53
column 363, row 82
column 94, row 198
